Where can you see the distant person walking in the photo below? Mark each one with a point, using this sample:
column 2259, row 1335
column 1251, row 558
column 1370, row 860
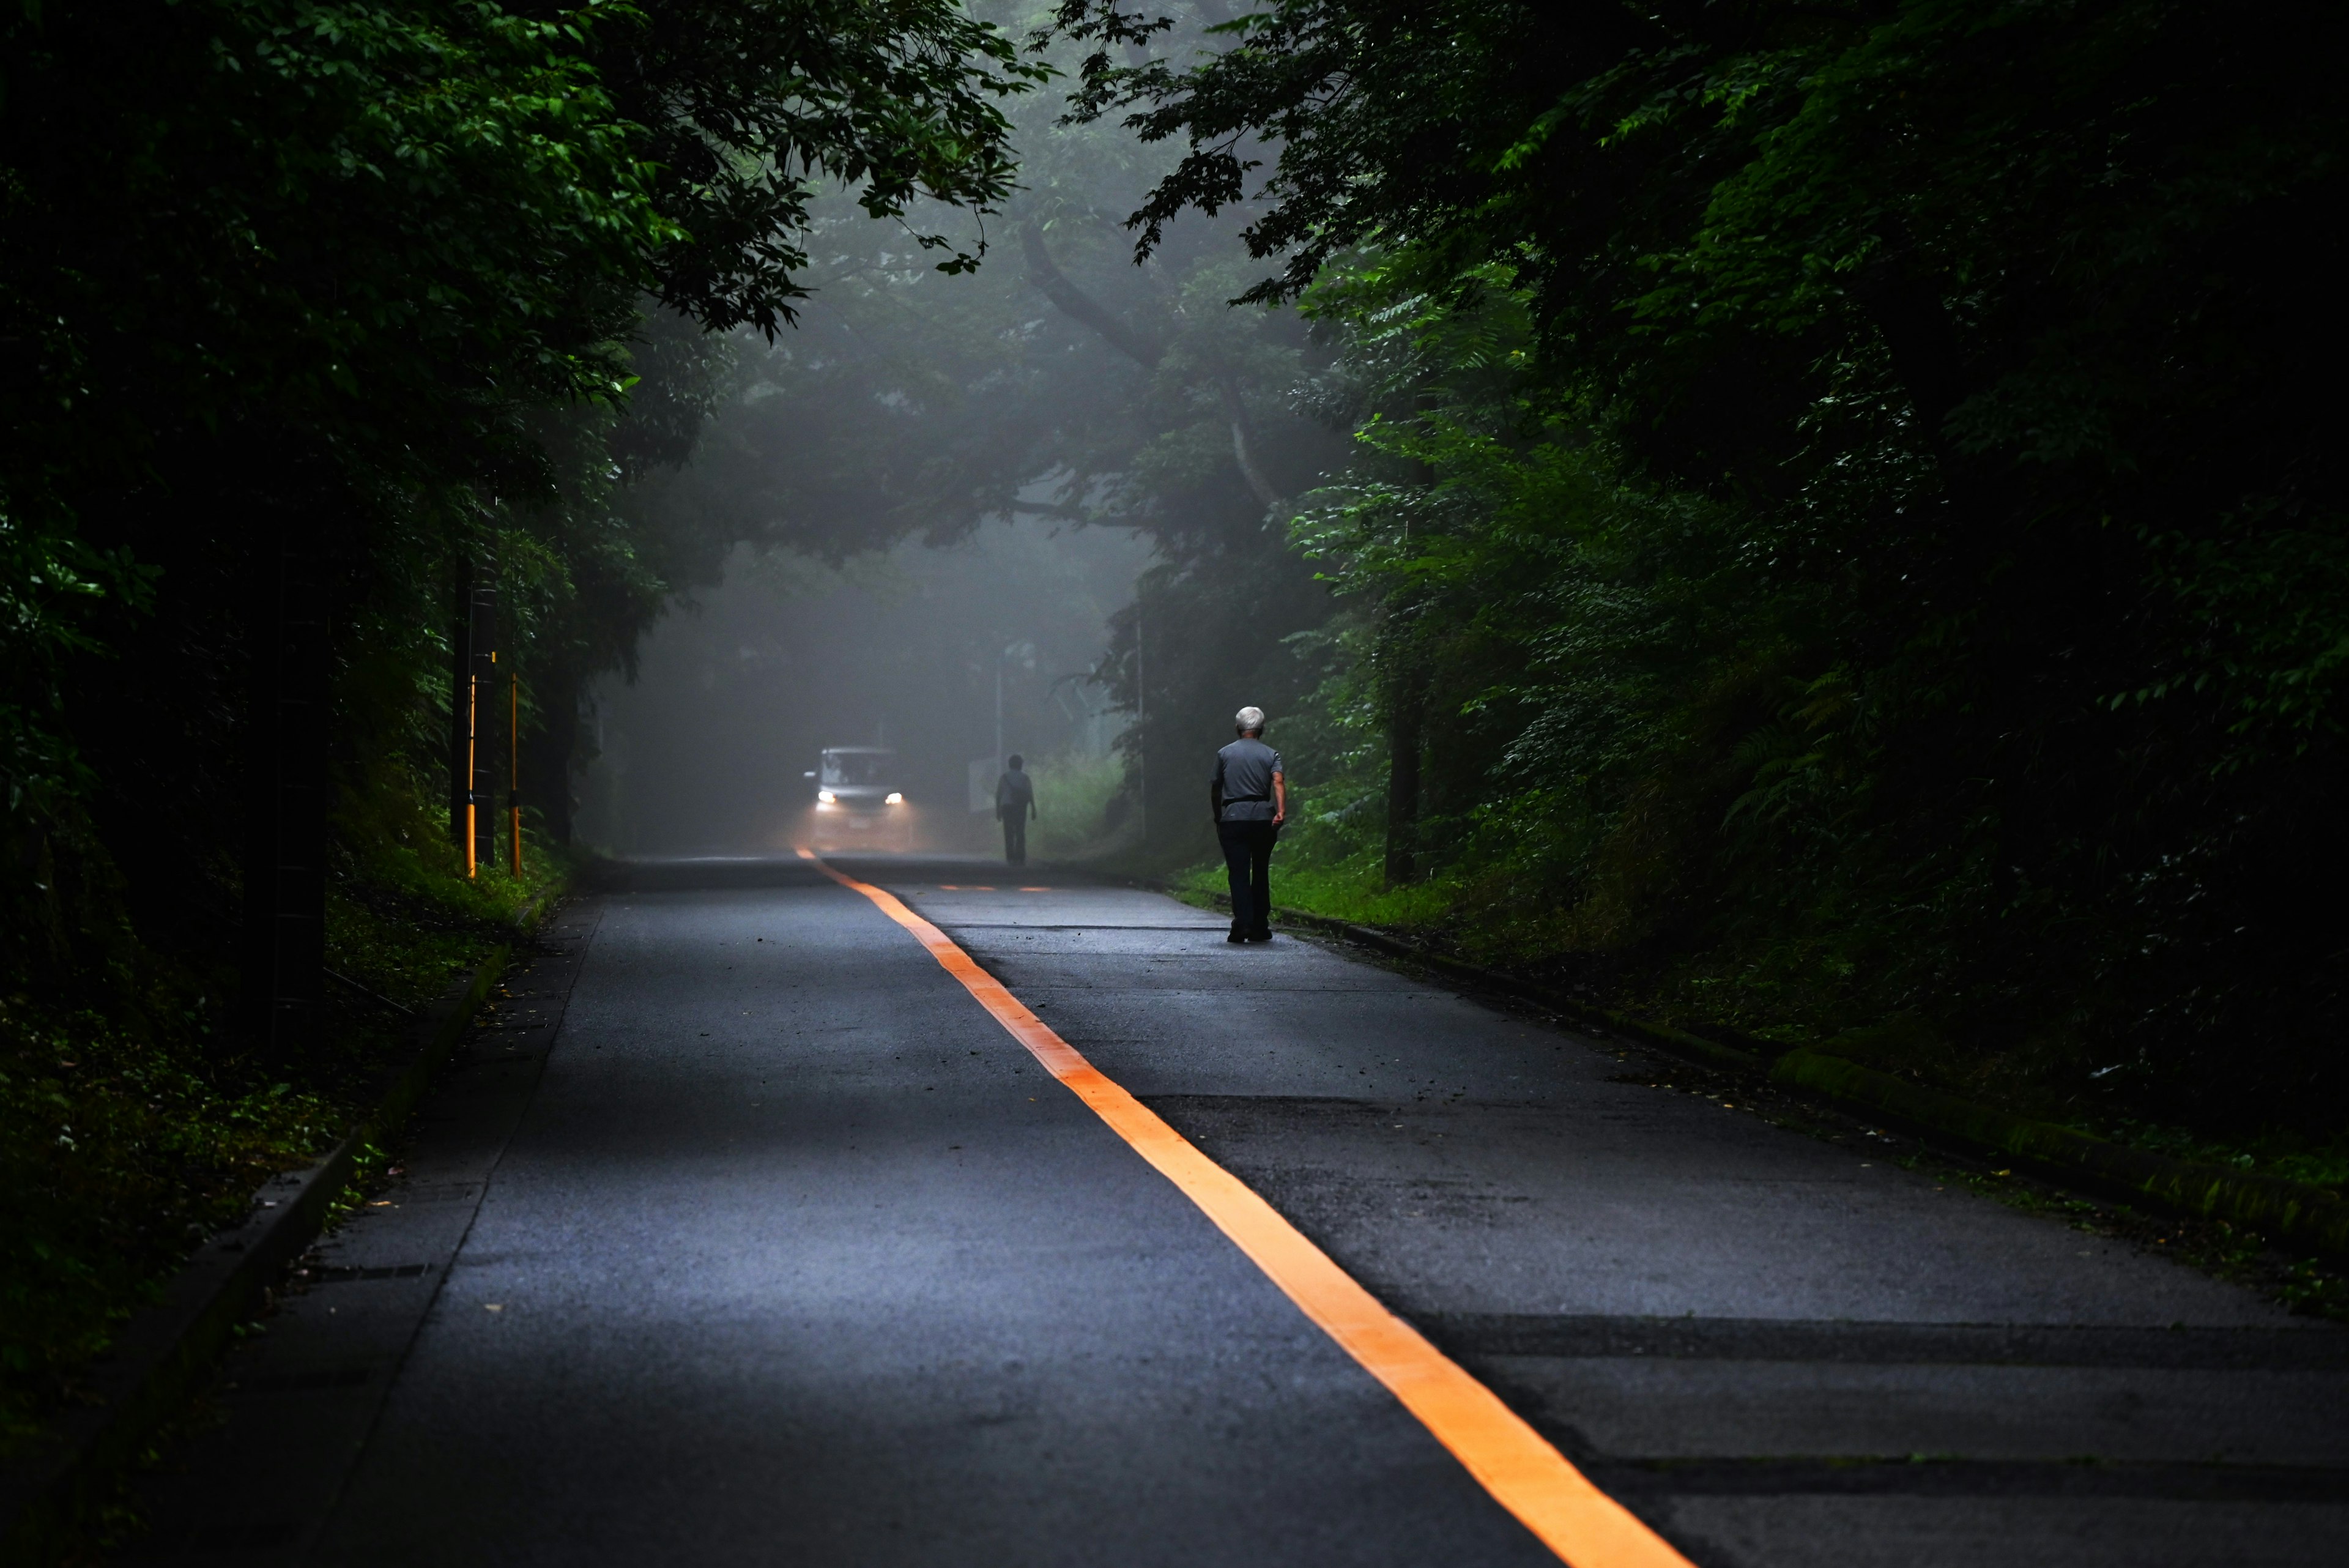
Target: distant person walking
column 1015, row 803
column 1250, row 796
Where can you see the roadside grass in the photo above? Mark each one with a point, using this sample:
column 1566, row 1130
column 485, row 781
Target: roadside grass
column 129, row 1133
column 1072, row 799
column 1353, row 889
column 2294, row 1156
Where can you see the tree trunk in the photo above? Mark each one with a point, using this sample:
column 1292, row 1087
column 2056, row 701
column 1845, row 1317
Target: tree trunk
column 1406, row 735
column 475, row 699
column 488, row 702
column 286, row 782
column 460, row 674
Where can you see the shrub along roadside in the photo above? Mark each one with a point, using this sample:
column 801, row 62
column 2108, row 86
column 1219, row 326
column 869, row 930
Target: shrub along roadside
column 1834, row 543
column 1073, row 797
column 125, row 1140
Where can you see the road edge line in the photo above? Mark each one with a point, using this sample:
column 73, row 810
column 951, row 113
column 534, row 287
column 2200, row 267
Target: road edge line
column 1521, row 1470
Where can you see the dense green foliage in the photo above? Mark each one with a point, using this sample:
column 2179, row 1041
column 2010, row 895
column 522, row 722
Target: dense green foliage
column 1841, row 535
column 1848, row 491
column 289, row 261
column 368, row 299
column 123, row 1141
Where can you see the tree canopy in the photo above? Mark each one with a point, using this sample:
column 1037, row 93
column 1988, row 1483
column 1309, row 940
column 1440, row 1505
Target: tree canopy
column 367, row 272
column 1860, row 473
column 1819, row 520
column 324, row 319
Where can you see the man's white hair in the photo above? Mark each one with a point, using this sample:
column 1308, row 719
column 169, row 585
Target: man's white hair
column 1249, row 718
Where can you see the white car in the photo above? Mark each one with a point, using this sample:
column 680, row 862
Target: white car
column 858, row 803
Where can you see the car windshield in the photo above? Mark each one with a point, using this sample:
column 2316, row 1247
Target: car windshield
column 856, row 767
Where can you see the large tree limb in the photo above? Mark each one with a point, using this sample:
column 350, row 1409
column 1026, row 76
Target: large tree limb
column 1243, row 442
column 1076, row 304
column 1051, row 509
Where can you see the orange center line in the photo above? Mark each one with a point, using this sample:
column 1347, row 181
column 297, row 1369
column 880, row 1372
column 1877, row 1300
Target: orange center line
column 1524, row 1474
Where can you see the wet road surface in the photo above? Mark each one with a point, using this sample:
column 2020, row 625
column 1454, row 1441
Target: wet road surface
column 743, row 1234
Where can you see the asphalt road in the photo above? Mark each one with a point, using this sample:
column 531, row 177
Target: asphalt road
column 742, row 1234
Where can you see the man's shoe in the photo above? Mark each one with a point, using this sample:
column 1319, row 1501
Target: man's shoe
column 1235, row 938
column 1262, row 936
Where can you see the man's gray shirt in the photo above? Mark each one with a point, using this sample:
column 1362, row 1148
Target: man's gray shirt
column 1244, row 772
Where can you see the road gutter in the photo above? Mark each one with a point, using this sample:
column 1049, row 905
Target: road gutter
column 166, row 1353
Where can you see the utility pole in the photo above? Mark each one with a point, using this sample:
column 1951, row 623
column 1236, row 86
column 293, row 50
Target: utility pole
column 1025, row 651
column 472, row 777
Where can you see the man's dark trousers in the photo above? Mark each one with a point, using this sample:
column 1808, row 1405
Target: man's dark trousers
column 1247, row 857
column 1015, row 840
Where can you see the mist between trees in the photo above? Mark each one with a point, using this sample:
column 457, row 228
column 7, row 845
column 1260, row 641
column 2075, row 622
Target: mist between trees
column 1820, row 522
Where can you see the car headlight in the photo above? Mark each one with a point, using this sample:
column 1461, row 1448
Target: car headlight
column 826, row 796
column 894, row 799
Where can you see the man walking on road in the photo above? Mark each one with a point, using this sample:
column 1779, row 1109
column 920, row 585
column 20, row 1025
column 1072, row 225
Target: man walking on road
column 1015, row 803
column 1250, row 796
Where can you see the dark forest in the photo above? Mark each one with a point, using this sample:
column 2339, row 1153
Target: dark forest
column 1818, row 524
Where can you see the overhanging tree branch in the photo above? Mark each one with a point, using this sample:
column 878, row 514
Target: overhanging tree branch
column 1227, row 392
column 1076, row 304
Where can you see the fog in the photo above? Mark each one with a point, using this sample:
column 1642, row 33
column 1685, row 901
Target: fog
column 738, row 691
column 1089, row 462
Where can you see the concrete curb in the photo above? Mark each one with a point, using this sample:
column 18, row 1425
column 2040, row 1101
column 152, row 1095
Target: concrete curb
column 2286, row 1209
column 166, row 1352
column 534, row 914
